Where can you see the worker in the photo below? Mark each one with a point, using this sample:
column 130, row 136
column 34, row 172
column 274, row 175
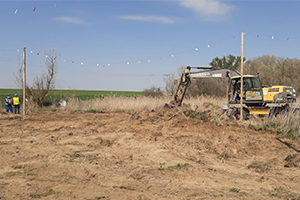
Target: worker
column 16, row 102
column 238, row 91
column 237, row 97
column 8, row 104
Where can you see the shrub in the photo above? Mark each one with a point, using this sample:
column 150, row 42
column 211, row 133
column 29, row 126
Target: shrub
column 153, row 92
column 208, row 86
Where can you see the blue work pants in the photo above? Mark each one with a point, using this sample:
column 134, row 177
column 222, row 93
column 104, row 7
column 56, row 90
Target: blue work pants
column 9, row 108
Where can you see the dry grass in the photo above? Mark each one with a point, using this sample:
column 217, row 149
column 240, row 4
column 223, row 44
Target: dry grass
column 134, row 104
column 287, row 124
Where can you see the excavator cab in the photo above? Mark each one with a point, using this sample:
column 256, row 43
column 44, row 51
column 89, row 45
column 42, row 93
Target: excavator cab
column 252, row 90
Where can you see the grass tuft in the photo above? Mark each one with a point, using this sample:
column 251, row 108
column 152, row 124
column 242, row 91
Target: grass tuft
column 289, row 157
column 286, row 124
column 50, row 192
column 73, row 143
column 100, row 197
column 235, row 190
column 123, row 187
column 259, row 166
column 175, row 167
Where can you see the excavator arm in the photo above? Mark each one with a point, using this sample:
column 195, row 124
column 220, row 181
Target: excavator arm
column 187, row 77
column 184, row 83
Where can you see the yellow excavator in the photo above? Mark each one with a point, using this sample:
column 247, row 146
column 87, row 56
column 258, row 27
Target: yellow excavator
column 257, row 100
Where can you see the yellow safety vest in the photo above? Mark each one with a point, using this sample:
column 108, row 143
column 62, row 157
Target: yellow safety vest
column 16, row 101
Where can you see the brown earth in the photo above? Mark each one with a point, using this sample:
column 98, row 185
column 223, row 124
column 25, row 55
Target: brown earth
column 57, row 155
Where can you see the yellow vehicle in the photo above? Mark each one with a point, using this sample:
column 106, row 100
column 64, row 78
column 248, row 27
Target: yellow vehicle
column 279, row 94
column 256, row 99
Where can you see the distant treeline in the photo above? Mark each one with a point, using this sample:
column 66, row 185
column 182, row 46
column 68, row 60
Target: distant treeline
column 275, row 70
column 272, row 71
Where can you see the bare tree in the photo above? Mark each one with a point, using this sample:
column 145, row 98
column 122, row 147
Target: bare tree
column 208, row 86
column 18, row 77
column 41, row 84
column 180, row 70
column 170, row 79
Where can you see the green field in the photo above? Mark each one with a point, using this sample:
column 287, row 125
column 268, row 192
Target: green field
column 10, row 92
column 73, row 92
column 56, row 95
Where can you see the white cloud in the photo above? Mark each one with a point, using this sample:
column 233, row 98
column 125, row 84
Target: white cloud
column 71, row 20
column 209, row 9
column 150, row 18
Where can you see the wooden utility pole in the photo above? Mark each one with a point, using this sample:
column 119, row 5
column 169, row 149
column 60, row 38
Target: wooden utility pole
column 24, row 80
column 242, row 63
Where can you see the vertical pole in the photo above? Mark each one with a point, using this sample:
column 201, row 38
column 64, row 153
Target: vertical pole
column 166, row 80
column 151, row 80
column 24, row 80
column 242, row 72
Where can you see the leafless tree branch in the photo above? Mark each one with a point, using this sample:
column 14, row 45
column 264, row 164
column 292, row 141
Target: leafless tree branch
column 42, row 84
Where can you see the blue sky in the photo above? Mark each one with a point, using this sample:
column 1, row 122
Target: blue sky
column 147, row 38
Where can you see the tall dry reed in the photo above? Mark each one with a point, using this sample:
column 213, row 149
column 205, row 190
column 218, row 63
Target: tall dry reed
column 134, row 104
column 286, row 123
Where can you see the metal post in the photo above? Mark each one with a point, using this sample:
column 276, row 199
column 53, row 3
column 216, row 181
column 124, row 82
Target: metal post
column 166, row 80
column 24, row 80
column 151, row 80
column 242, row 72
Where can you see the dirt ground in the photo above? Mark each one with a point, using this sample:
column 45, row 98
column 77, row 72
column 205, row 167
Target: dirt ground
column 142, row 156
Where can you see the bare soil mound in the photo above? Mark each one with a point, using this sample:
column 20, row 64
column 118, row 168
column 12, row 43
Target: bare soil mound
column 166, row 154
